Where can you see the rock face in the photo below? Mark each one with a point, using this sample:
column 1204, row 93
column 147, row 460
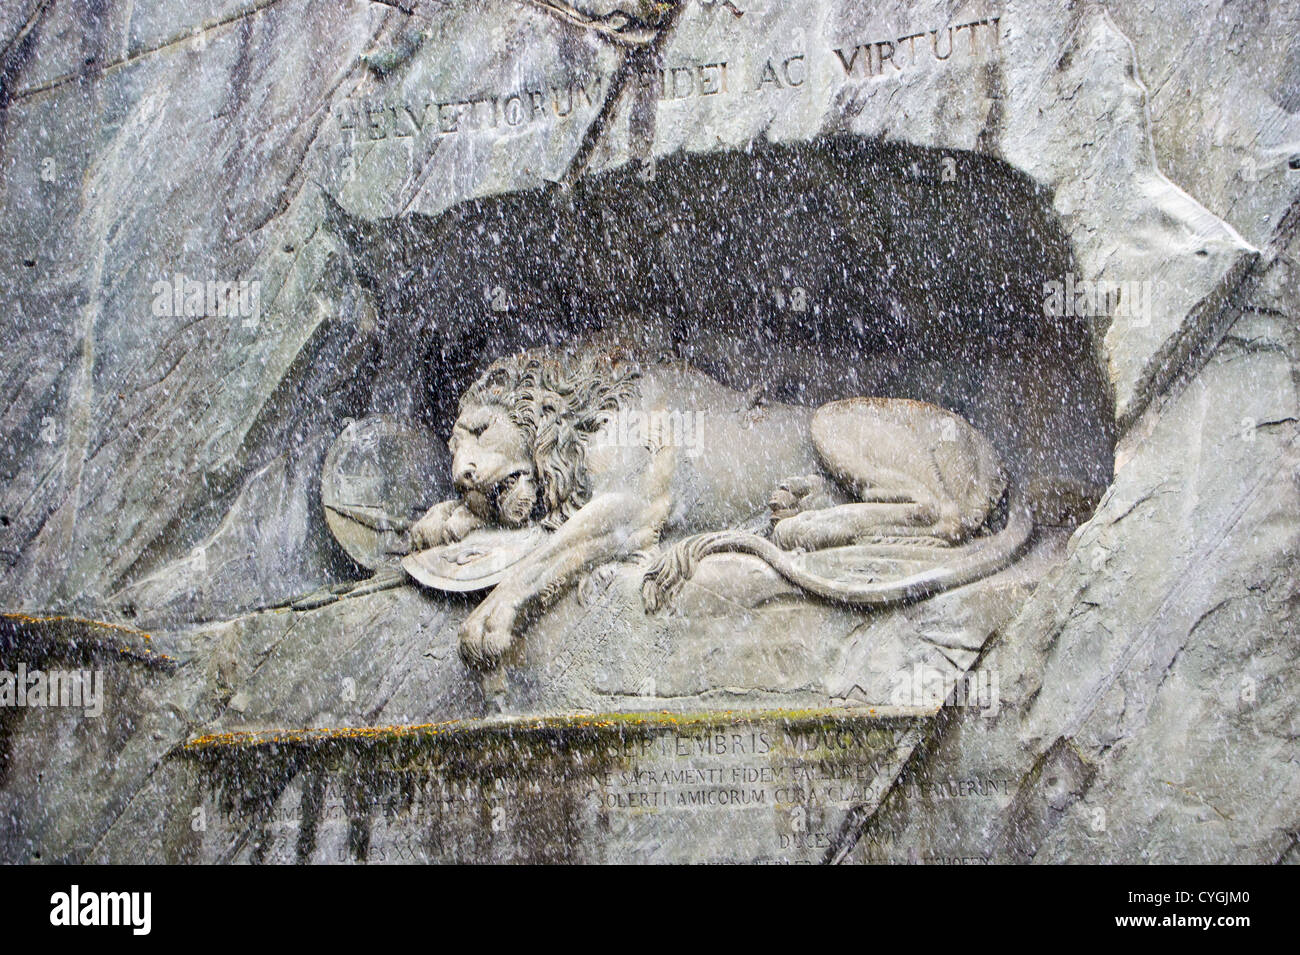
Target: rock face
column 234, row 233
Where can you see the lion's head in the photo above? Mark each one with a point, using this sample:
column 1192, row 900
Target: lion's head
column 519, row 443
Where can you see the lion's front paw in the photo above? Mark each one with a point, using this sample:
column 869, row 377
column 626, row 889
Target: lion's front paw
column 431, row 529
column 488, row 632
column 797, row 494
column 444, row 523
column 426, row 533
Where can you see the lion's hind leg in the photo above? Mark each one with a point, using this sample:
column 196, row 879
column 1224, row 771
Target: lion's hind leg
column 848, row 524
column 885, row 453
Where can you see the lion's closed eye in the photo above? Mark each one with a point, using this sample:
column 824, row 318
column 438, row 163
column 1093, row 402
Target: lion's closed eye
column 474, row 429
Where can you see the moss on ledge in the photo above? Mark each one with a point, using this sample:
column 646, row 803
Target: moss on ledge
column 59, row 637
column 580, row 724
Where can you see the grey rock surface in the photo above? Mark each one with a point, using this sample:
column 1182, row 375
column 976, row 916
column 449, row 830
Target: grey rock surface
column 1147, row 705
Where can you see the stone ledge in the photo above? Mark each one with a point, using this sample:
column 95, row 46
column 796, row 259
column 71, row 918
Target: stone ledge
column 57, row 636
column 592, row 724
column 775, row 786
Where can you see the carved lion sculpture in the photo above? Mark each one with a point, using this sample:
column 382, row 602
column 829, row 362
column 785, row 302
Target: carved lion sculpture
column 610, row 456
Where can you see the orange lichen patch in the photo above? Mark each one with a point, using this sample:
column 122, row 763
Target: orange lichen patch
column 61, row 631
column 648, row 721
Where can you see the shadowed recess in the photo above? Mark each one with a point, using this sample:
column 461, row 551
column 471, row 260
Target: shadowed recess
column 799, row 273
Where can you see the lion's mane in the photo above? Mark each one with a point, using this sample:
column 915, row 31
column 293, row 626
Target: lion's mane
column 560, row 402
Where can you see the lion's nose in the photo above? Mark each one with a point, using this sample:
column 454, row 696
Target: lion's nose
column 464, row 478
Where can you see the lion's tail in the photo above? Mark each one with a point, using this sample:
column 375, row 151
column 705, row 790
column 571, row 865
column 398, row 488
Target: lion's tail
column 984, row 558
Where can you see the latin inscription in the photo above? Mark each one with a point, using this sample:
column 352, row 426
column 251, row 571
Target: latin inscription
column 559, row 100
column 884, row 57
column 449, row 116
